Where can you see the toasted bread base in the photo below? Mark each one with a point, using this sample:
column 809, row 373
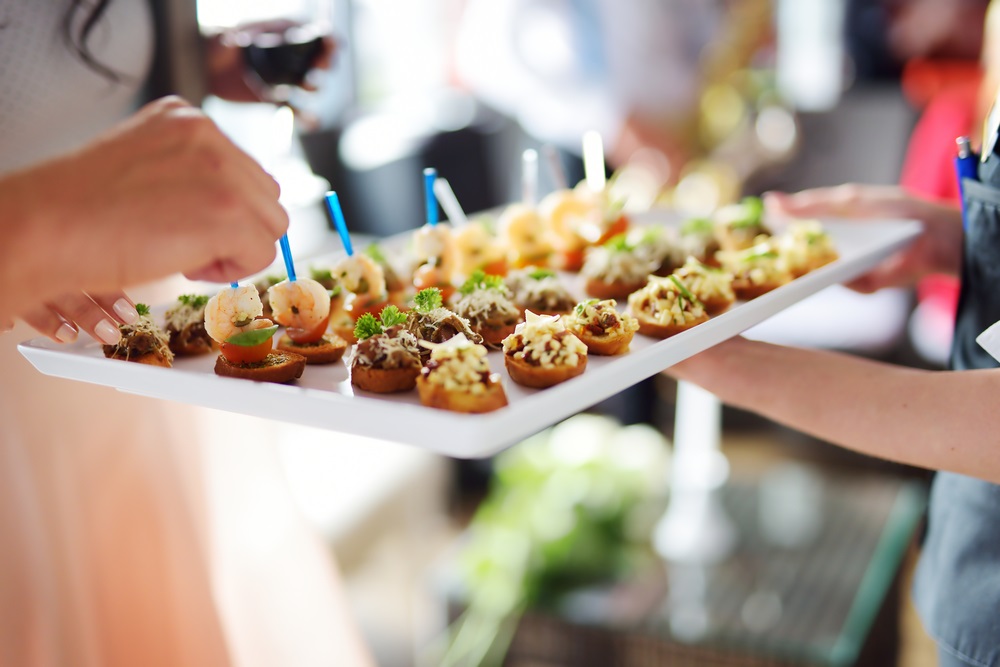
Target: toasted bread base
column 528, row 375
column 650, row 327
column 150, row 358
column 327, row 351
column 435, row 396
column 607, row 346
column 279, row 366
column 384, row 380
column 716, row 304
column 617, row 290
column 345, row 333
column 747, row 290
column 493, row 335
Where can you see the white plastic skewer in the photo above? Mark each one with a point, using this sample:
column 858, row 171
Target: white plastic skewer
column 555, row 167
column 449, row 202
column 593, row 161
column 529, row 177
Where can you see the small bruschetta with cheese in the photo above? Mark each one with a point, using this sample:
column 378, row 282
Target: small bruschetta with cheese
column 185, row 324
column 756, row 270
column 665, row 307
column 386, row 358
column 457, row 377
column 143, row 342
column 601, row 327
column 711, row 286
column 540, row 291
column 485, row 301
column 615, row 270
column 542, row 352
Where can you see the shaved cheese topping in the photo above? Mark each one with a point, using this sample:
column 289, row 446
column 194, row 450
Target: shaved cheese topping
column 459, row 365
column 706, row 283
column 488, row 305
column 543, row 340
column 662, row 301
column 602, row 318
column 182, row 315
column 397, row 348
column 804, row 245
column 760, row 265
column 617, row 266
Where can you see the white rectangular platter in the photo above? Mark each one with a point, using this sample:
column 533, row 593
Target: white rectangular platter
column 325, row 398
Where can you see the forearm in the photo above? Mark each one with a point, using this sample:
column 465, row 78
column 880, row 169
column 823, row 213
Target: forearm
column 28, row 240
column 937, row 420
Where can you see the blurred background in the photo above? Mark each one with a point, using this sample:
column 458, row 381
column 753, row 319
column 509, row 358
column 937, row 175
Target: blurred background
column 545, row 556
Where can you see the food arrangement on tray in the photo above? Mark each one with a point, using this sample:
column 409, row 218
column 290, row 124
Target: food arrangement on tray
column 521, row 317
column 422, row 316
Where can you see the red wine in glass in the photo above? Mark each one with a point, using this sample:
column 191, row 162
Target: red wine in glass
column 283, row 54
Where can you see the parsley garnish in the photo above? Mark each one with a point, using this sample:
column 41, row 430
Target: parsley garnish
column 391, row 316
column 428, row 299
column 367, row 326
column 479, row 280
column 194, row 300
column 752, row 212
column 540, row 274
column 142, row 309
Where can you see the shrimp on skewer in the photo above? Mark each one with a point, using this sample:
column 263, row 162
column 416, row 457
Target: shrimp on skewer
column 234, row 310
column 434, row 247
column 303, row 304
column 525, row 233
column 363, row 277
column 477, row 249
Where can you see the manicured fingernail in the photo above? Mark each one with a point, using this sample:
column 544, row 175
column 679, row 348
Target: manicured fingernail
column 66, row 333
column 126, row 311
column 107, row 332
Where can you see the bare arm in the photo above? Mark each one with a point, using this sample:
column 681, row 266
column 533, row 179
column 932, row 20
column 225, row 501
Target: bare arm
column 939, row 420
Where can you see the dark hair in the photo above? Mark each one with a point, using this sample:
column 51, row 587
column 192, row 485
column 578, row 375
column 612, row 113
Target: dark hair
column 78, row 39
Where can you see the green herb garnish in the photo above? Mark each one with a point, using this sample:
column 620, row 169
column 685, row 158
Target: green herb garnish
column 391, row 316
column 684, row 290
column 375, row 252
column 697, row 226
column 751, row 213
column 142, row 309
column 367, row 326
column 759, row 254
column 321, row 275
column 541, row 274
column 479, row 280
column 428, row 299
column 194, row 300
column 619, row 243
column 582, row 306
column 251, row 338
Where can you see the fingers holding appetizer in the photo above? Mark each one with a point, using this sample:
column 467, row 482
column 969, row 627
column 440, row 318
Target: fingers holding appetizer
column 233, row 319
column 142, row 341
column 457, row 377
column 542, row 352
column 665, row 307
column 386, row 358
column 600, row 327
column 62, row 318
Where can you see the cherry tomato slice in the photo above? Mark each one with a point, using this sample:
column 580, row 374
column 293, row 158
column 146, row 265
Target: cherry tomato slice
column 619, row 226
column 246, row 354
column 356, row 307
column 313, row 335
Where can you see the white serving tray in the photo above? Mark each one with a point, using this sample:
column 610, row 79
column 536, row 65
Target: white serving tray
column 325, row 398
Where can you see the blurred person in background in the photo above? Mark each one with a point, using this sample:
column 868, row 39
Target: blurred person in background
column 627, row 70
column 126, row 538
column 940, row 420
